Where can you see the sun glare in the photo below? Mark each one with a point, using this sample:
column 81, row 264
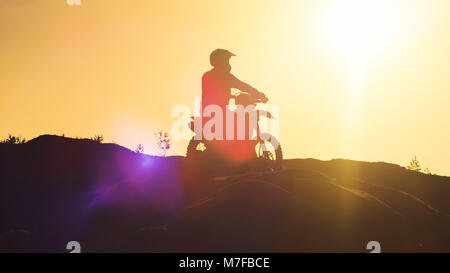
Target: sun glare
column 360, row 30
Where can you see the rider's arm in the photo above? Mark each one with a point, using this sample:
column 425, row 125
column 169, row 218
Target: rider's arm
column 245, row 87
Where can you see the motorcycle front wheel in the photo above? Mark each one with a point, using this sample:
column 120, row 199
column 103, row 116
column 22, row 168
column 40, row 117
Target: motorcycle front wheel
column 270, row 151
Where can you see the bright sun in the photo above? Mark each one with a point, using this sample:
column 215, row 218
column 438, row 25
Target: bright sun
column 360, row 30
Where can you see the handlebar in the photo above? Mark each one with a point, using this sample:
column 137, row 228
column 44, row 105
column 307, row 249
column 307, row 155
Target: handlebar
column 265, row 99
column 247, row 98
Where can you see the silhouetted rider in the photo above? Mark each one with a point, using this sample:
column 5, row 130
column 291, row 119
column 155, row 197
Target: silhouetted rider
column 217, row 83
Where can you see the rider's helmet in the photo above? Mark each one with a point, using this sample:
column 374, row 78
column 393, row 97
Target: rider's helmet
column 220, row 57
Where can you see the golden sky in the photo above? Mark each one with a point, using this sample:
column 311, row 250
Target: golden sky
column 363, row 80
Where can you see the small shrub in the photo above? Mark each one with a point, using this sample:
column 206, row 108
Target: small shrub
column 13, row 140
column 163, row 141
column 98, row 138
column 427, row 171
column 139, row 149
column 414, row 165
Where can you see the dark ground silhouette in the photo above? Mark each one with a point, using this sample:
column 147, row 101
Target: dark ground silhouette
column 54, row 190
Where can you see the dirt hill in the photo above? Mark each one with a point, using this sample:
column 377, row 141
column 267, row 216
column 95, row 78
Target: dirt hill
column 54, row 190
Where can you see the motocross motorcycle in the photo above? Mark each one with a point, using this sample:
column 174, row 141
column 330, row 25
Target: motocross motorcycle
column 261, row 146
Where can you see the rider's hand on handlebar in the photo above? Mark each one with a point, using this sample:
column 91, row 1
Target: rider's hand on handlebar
column 263, row 97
